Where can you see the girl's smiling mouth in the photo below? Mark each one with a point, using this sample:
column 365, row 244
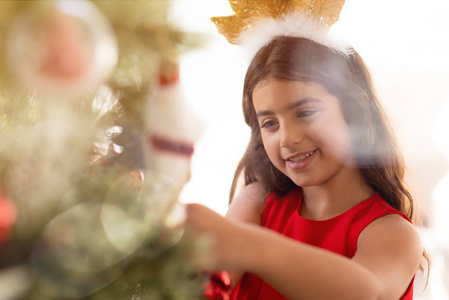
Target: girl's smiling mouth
column 300, row 160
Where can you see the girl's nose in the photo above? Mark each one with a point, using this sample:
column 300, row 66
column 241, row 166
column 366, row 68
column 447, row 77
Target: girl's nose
column 290, row 135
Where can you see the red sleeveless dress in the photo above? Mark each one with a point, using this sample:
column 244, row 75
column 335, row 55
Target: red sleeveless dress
column 339, row 235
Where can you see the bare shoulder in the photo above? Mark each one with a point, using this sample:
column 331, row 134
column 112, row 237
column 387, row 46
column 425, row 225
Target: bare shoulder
column 248, row 205
column 394, row 229
column 391, row 248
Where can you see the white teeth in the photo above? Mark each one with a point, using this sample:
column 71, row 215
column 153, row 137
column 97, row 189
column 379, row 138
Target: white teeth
column 301, row 158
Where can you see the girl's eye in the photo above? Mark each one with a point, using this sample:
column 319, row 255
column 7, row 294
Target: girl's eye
column 268, row 124
column 306, row 113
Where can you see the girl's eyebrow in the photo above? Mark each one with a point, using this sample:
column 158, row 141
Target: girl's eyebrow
column 290, row 107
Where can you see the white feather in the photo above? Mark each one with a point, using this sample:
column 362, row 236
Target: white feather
column 262, row 31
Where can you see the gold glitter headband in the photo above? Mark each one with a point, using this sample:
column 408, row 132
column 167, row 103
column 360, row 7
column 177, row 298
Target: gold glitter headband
column 323, row 12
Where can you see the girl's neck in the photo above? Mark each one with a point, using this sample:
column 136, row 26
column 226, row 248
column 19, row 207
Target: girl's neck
column 335, row 196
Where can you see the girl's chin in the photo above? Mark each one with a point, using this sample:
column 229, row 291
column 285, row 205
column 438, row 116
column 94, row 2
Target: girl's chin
column 303, row 182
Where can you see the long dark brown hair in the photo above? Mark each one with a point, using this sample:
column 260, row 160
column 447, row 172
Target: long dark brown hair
column 348, row 79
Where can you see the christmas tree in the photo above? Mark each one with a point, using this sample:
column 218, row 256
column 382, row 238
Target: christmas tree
column 92, row 152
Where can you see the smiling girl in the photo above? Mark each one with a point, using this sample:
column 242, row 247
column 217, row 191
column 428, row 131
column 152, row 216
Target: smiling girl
column 324, row 213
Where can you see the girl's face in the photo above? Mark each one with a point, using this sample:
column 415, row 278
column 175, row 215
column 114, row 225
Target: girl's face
column 303, row 131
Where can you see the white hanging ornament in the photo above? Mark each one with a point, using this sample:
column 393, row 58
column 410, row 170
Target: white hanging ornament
column 172, row 129
column 66, row 53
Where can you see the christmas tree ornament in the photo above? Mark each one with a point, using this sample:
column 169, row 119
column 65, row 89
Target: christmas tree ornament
column 63, row 51
column 172, row 128
column 219, row 286
column 256, row 22
column 7, row 217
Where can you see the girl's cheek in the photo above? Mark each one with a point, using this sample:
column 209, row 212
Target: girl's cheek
column 335, row 144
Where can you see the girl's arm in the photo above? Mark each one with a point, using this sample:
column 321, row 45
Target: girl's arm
column 247, row 207
column 388, row 255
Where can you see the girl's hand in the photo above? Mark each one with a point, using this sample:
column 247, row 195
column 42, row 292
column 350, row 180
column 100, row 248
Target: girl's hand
column 230, row 245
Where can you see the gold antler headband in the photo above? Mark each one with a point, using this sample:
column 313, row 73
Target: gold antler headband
column 305, row 18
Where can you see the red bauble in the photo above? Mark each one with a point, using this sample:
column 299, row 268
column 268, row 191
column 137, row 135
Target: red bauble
column 7, row 218
column 218, row 287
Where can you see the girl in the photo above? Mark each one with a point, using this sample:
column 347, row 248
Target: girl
column 324, row 213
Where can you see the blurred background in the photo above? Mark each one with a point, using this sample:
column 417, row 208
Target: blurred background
column 404, row 42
